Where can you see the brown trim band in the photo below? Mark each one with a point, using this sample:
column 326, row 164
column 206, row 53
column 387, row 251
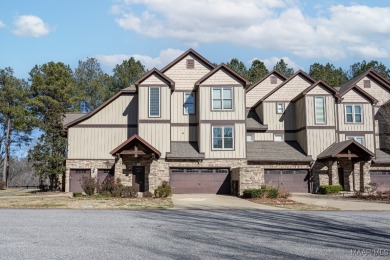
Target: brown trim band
column 184, row 124
column 224, row 122
column 157, row 121
column 301, row 129
column 356, row 132
column 106, row 126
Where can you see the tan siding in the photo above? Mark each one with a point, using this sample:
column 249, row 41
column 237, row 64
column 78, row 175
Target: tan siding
column 185, row 78
column 368, row 139
column 220, row 78
column 259, row 111
column 285, row 121
column 158, row 135
column 184, row 133
column 165, row 104
column 239, row 145
column 122, row 110
column 300, row 113
column 290, row 90
column 238, row 112
column 318, row 140
column 264, row 136
column 381, row 94
column 367, row 124
column 96, row 143
column 318, row 91
column 353, row 96
column 177, row 109
column 260, row 90
column 302, row 140
column 329, row 111
column 153, row 79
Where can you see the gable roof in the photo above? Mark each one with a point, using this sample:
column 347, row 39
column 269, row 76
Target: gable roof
column 69, row 117
column 271, row 151
column 334, row 149
column 224, row 67
column 299, row 72
column 319, row 82
column 128, row 90
column 167, row 80
column 136, row 138
column 347, row 86
column 363, row 93
column 188, row 52
column 280, row 75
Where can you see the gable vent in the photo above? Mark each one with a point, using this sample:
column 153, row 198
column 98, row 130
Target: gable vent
column 190, row 64
column 367, row 83
column 274, row 80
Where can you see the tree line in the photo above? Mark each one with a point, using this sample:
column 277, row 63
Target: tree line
column 53, row 89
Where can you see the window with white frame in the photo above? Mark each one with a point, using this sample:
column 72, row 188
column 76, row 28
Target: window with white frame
column 278, row 137
column 250, row 137
column 154, row 102
column 359, row 139
column 353, row 114
column 223, row 137
column 189, row 103
column 280, row 108
column 222, row 98
column 319, row 108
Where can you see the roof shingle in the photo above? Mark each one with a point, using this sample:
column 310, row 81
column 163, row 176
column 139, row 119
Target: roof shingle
column 185, row 150
column 270, row 151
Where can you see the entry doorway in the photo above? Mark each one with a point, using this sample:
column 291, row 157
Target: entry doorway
column 340, row 171
column 138, row 178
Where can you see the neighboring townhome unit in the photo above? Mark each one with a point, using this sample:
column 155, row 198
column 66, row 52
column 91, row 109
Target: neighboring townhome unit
column 205, row 129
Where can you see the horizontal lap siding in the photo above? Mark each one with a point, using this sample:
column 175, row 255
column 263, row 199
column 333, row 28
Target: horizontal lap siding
column 319, row 140
column 239, row 143
column 378, row 92
column 165, row 104
column 156, row 134
column 185, row 78
column 96, row 143
column 122, row 110
column 259, row 91
column 184, row 133
column 329, row 111
column 177, row 109
column 290, row 90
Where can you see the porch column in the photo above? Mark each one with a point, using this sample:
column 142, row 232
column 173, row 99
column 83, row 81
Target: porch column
column 356, row 175
column 365, row 177
column 118, row 167
column 333, row 173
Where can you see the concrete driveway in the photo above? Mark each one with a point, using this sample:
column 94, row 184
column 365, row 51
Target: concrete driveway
column 342, row 203
column 212, row 201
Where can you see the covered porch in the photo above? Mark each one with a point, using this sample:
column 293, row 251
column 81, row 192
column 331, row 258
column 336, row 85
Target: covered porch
column 345, row 163
column 133, row 159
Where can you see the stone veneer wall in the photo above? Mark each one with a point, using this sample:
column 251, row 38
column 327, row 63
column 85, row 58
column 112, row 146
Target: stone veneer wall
column 93, row 165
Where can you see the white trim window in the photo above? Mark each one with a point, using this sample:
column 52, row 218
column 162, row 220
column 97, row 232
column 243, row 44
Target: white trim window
column 223, row 138
column 279, row 108
column 359, row 139
column 222, row 98
column 154, row 102
column 278, row 137
column 189, row 103
column 353, row 114
column 319, row 107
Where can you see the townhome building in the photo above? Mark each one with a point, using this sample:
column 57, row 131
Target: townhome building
column 206, row 129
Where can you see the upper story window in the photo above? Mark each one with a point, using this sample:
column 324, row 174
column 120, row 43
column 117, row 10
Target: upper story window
column 222, row 98
column 367, row 83
column 223, row 137
column 280, row 108
column 189, row 103
column 190, row 64
column 154, row 102
column 278, row 137
column 274, row 80
column 353, row 114
column 359, row 139
column 319, row 107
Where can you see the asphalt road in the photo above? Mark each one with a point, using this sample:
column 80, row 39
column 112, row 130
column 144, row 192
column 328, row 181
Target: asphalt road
column 179, row 234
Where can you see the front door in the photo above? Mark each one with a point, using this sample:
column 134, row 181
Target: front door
column 138, row 180
column 341, row 177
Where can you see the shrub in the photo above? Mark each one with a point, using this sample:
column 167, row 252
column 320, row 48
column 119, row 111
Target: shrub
column 253, row 193
column 272, row 192
column 129, row 192
column 164, row 190
column 77, row 194
column 148, row 194
column 2, row 185
column 265, row 191
column 330, row 189
column 89, row 185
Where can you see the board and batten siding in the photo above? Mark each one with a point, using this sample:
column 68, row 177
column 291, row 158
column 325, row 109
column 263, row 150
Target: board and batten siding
column 378, row 92
column 177, row 109
column 366, row 125
column 290, row 90
column 184, row 133
column 165, row 102
column 157, row 135
column 264, row 136
column 123, row 110
column 185, row 78
column 285, row 121
column 318, row 140
column 239, row 151
column 205, row 109
column 302, row 139
column 329, row 111
column 96, row 142
column 368, row 139
column 300, row 113
column 261, row 89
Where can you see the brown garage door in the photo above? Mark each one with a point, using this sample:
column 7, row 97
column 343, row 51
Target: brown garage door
column 103, row 174
column 382, row 179
column 76, row 176
column 288, row 180
column 211, row 181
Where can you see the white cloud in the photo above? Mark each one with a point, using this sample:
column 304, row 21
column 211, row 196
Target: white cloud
column 158, row 62
column 271, row 62
column 30, row 26
column 2, row 24
column 336, row 32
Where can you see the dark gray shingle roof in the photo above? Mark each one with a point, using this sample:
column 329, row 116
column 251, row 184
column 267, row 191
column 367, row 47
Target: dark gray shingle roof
column 253, row 122
column 270, row 151
column 69, row 117
column 382, row 156
column 185, row 150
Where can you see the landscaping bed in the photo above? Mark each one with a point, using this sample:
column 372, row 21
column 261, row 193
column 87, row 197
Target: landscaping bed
column 378, row 196
column 289, row 204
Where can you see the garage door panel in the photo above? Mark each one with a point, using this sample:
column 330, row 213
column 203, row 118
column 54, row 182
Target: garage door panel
column 76, row 177
column 288, row 180
column 382, row 179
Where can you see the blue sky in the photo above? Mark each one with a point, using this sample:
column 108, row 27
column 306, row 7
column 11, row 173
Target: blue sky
column 157, row 31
